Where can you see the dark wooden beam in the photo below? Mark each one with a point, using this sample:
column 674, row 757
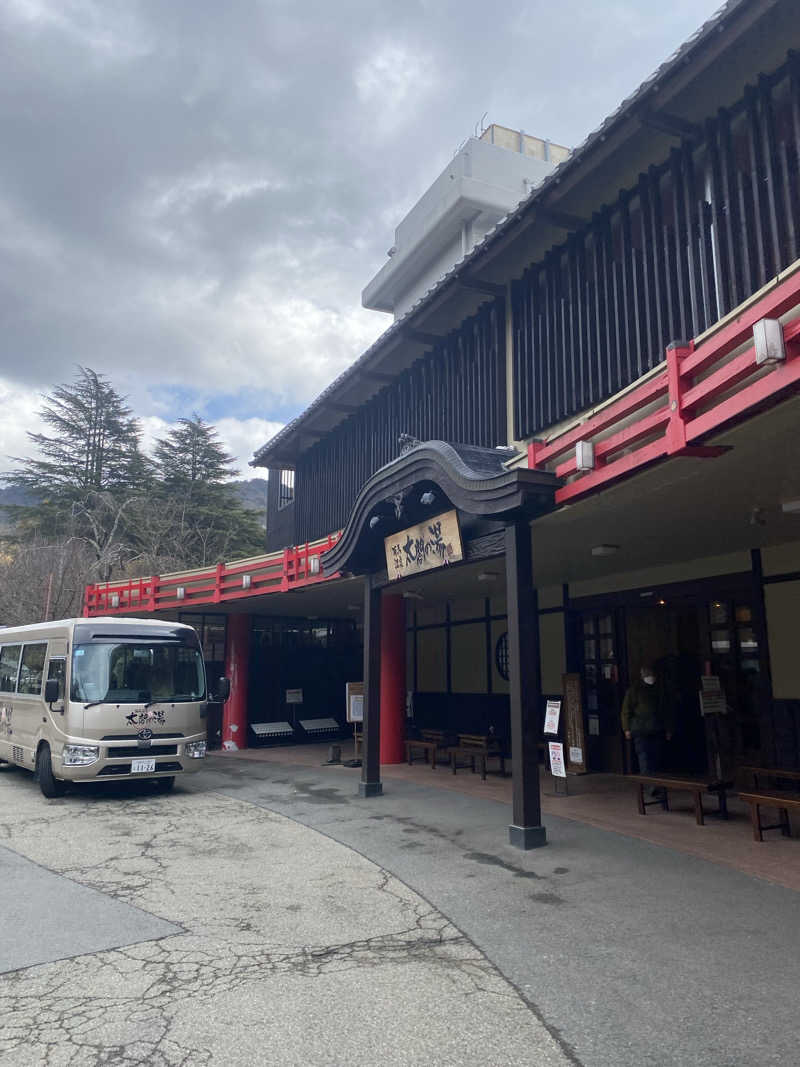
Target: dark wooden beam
column 562, row 219
column 480, row 285
column 375, row 376
column 370, row 784
column 334, row 405
column 525, row 688
column 674, row 125
column 420, row 337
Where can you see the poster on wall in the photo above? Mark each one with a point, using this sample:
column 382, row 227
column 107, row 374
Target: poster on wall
column 354, row 701
column 556, row 752
column 551, row 716
column 574, row 731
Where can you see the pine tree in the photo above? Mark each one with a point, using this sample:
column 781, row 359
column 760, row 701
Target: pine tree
column 194, row 470
column 88, row 469
column 94, row 446
column 191, row 454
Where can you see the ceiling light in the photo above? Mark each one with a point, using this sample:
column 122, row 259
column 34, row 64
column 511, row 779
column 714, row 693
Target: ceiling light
column 373, row 522
column 427, row 498
column 487, row 576
column 410, row 595
column 790, row 507
column 604, row 550
column 354, row 607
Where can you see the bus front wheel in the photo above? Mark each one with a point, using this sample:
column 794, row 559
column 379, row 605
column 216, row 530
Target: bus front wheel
column 48, row 783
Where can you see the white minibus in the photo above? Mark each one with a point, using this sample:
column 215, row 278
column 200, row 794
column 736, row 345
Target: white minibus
column 86, row 700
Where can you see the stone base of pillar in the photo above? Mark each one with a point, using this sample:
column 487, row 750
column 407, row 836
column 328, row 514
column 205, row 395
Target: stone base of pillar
column 370, row 789
column 527, row 837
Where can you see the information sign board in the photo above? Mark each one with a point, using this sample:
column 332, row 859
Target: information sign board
column 433, row 543
column 556, row 751
column 551, row 716
column 574, row 731
column 354, row 701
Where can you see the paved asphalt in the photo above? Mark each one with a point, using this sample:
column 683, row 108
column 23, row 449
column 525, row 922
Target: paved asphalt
column 630, row 953
column 279, row 946
column 207, row 927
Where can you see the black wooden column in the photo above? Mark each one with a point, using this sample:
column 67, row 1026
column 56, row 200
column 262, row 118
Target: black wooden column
column 370, row 784
column 525, row 688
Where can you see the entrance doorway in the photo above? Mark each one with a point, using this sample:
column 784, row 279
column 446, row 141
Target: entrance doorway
column 313, row 657
column 684, row 632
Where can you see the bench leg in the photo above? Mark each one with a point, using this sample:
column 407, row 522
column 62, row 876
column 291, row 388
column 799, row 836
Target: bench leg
column 483, row 768
column 640, row 798
column 756, row 820
column 665, row 800
column 453, row 761
column 783, row 814
column 723, row 803
column 698, row 808
column 433, row 760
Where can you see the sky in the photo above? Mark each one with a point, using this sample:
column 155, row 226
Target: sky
column 193, row 194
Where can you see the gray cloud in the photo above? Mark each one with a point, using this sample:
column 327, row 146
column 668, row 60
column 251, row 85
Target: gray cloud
column 193, row 194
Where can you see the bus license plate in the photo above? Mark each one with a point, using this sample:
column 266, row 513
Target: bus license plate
column 142, row 766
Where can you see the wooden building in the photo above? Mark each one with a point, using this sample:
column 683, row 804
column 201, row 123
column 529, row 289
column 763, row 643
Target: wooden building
column 602, row 396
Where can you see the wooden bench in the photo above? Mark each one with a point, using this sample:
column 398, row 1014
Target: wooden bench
column 695, row 786
column 477, row 747
column 430, row 742
column 770, row 799
column 769, row 772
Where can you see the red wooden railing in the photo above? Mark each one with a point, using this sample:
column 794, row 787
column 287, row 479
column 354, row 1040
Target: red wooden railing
column 704, row 387
column 278, row 572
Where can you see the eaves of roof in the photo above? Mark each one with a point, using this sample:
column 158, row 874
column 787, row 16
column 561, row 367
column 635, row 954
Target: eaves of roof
column 580, row 159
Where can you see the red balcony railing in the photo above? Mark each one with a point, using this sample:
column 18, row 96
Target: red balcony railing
column 293, row 568
column 704, row 387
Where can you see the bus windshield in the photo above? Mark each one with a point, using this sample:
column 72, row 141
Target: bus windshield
column 136, row 672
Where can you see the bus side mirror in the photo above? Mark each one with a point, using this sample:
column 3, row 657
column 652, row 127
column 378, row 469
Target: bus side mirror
column 51, row 691
column 223, row 689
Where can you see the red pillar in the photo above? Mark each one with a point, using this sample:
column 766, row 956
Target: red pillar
column 393, row 678
column 237, row 668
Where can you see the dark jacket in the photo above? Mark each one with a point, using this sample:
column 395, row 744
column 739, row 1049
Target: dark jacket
column 643, row 709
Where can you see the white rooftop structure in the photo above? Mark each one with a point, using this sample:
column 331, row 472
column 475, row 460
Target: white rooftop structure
column 486, row 179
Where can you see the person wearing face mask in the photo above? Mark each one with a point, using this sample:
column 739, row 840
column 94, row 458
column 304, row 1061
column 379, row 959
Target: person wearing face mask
column 645, row 720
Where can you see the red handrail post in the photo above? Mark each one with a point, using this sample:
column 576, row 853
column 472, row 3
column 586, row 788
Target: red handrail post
column 676, row 427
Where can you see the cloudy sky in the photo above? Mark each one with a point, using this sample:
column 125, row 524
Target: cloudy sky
column 194, row 192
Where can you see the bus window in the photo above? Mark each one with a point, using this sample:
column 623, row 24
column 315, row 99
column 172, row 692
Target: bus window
column 56, row 671
column 9, row 667
column 32, row 670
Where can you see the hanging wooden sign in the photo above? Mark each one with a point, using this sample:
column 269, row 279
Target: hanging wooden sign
column 433, row 543
column 574, row 731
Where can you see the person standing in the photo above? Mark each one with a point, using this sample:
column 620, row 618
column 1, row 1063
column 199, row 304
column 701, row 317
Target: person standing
column 646, row 720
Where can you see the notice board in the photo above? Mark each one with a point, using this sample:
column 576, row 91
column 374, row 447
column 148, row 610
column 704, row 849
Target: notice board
column 574, row 729
column 354, row 701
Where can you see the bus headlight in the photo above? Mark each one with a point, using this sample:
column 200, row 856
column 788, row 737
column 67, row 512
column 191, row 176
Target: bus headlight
column 80, row 755
column 195, row 749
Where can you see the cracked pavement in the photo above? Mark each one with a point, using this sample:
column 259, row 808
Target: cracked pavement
column 286, row 947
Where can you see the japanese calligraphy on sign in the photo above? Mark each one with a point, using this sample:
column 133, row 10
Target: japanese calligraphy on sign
column 433, row 543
